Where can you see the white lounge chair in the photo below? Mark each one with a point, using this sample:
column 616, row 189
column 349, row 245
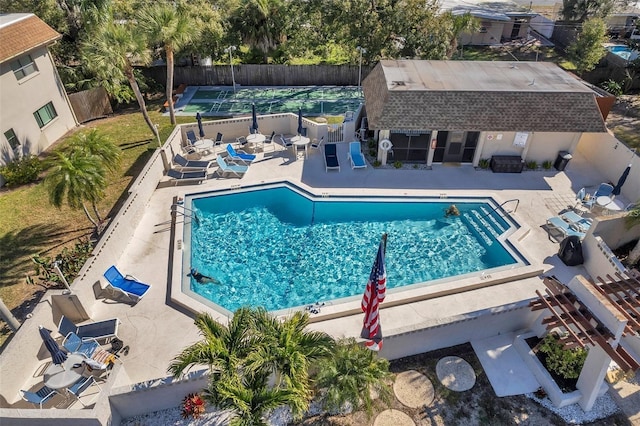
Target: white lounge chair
column 234, row 169
column 556, row 223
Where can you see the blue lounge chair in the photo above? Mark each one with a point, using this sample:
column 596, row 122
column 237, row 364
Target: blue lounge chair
column 604, row 190
column 331, row 157
column 234, row 169
column 356, row 157
column 239, row 155
column 125, row 285
column 180, row 176
column 582, row 223
column 191, row 137
column 74, row 344
column 184, row 164
column 100, row 330
column 556, row 223
column 38, row 397
column 82, row 384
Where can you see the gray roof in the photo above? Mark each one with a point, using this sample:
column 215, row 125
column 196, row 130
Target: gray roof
column 479, row 96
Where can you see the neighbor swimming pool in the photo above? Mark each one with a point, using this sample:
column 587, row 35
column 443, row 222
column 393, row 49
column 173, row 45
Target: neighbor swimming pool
column 279, row 248
column 624, row 52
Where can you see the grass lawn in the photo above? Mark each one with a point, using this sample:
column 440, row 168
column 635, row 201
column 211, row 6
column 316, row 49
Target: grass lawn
column 30, row 225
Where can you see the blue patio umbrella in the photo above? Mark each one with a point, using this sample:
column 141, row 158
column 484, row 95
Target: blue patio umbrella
column 621, row 181
column 57, row 355
column 254, row 125
column 300, row 128
column 200, row 129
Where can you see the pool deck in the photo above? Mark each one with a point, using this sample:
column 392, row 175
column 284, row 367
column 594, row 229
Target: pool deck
column 156, row 325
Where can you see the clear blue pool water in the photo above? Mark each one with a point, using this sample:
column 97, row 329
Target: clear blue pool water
column 624, row 52
column 278, row 249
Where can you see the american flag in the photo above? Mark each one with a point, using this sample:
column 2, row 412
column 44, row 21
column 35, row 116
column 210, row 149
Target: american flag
column 373, row 296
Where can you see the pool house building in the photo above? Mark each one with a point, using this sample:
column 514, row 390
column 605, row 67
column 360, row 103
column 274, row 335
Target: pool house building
column 465, row 111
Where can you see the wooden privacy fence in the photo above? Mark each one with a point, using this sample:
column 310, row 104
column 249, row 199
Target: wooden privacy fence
column 90, row 104
column 262, row 75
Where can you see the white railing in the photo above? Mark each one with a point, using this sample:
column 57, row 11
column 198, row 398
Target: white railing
column 335, row 133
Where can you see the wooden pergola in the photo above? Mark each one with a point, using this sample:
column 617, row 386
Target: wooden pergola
column 581, row 327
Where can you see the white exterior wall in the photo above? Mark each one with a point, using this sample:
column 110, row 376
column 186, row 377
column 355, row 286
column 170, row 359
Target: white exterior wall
column 20, row 99
column 542, row 25
column 541, row 146
column 492, row 35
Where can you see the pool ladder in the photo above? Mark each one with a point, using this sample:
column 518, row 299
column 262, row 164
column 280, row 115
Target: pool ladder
column 185, row 212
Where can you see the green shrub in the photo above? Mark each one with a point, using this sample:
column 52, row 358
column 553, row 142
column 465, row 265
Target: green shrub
column 373, row 152
column 397, row 164
column 612, row 87
column 22, row 171
column 70, row 261
column 377, row 163
column 484, row 163
column 547, row 164
column 372, row 144
column 566, row 363
column 532, row 165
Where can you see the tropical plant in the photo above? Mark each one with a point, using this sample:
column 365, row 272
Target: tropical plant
column 21, row 171
column 70, row 261
column 632, row 219
column 110, row 52
column 172, row 28
column 192, row 406
column 532, row 165
column 260, row 24
column 351, row 374
column 581, row 10
column 547, row 164
column 588, row 48
column 483, row 163
column 567, row 363
column 75, row 178
column 612, row 87
column 397, row 164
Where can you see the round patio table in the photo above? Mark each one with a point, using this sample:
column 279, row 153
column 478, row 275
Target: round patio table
column 63, row 376
column 203, row 145
column 256, row 139
column 301, row 141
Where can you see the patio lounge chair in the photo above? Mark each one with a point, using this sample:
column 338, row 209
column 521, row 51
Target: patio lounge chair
column 180, row 176
column 239, row 155
column 38, row 397
column 556, row 223
column 73, row 343
column 356, row 157
column 331, row 157
column 100, row 330
column 582, row 223
column 185, row 164
column 234, row 169
column 126, row 285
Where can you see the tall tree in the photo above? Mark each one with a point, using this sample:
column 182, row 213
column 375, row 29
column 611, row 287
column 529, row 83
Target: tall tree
column 350, row 374
column 110, row 52
column 165, row 25
column 260, row 24
column 581, row 10
column 75, row 178
column 588, row 48
column 94, row 143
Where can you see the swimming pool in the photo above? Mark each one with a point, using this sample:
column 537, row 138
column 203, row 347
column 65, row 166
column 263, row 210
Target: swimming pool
column 624, row 52
column 313, row 100
column 280, row 248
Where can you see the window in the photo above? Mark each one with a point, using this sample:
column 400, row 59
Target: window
column 45, row 114
column 23, row 66
column 12, row 138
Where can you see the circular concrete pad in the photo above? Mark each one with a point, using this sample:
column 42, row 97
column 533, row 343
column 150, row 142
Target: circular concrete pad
column 455, row 373
column 413, row 389
column 393, row 418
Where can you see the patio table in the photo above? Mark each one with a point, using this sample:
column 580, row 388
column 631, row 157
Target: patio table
column 203, row 145
column 298, row 141
column 63, row 376
column 256, row 139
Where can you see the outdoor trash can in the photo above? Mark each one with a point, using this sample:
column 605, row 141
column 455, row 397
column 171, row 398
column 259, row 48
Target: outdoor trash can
column 571, row 251
column 562, row 160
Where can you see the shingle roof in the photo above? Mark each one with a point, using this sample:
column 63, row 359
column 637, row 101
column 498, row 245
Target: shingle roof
column 479, row 96
column 22, row 32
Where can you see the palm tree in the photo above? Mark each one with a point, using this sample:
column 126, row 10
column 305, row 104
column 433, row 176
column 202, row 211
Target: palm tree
column 260, row 22
column 223, row 348
column 287, row 350
column 166, row 25
column 95, row 143
column 249, row 398
column 633, row 219
column 350, row 375
column 77, row 178
column 111, row 51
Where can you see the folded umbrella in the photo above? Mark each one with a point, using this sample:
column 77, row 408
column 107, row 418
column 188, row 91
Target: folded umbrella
column 58, row 356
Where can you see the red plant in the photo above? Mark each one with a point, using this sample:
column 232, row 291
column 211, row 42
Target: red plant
column 192, row 406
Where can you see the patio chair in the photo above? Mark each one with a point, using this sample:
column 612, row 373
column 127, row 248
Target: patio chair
column 191, row 137
column 192, row 176
column 355, row 156
column 184, row 164
column 270, row 141
column 583, row 223
column 38, row 397
column 74, row 344
column 100, row 330
column 239, row 155
column 316, row 144
column 286, row 143
column 81, row 385
column 331, row 157
column 556, row 223
column 604, row 190
column 241, row 141
column 218, row 141
column 126, row 285
column 585, row 199
column 234, row 169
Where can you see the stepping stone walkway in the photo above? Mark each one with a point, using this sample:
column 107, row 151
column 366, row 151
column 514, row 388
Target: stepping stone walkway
column 413, row 389
column 455, row 373
column 393, row 418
